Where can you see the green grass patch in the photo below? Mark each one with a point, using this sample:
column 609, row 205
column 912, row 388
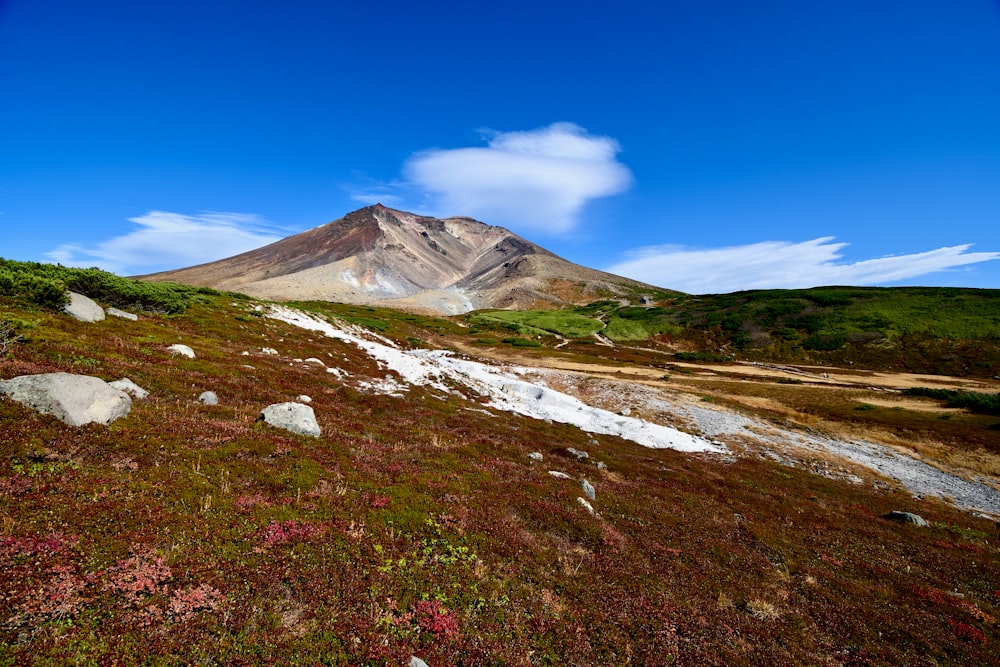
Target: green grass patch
column 566, row 323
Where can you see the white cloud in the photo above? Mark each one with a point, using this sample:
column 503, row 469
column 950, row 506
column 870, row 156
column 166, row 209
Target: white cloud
column 781, row 264
column 167, row 240
column 537, row 180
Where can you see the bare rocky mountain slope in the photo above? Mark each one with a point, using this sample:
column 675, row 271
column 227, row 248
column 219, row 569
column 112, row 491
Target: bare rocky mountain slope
column 411, row 262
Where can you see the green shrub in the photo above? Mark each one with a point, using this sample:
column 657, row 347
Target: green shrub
column 45, row 285
column 522, row 342
column 974, row 401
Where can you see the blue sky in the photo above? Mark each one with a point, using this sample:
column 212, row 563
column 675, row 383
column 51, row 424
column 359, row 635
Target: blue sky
column 706, row 146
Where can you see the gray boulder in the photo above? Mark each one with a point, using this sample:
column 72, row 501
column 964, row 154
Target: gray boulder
column 417, row 662
column 182, row 350
column 587, row 506
column 535, row 456
column 114, row 312
column 73, row 399
column 208, row 398
column 588, row 489
column 129, row 387
column 577, row 454
column 906, row 517
column 83, row 308
column 293, row 417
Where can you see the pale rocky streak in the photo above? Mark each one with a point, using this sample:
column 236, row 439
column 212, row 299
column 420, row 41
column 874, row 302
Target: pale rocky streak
column 505, row 391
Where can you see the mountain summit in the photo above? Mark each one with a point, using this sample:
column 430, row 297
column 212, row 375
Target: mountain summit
column 411, row 262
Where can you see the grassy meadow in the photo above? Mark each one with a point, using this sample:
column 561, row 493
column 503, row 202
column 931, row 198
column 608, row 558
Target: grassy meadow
column 194, row 534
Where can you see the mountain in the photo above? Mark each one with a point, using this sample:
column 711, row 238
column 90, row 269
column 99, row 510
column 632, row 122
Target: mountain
column 411, row 262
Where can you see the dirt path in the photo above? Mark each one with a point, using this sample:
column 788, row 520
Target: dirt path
column 751, row 371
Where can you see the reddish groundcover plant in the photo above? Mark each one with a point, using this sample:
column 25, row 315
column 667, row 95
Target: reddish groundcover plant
column 967, row 632
column 185, row 604
column 283, row 532
column 436, row 619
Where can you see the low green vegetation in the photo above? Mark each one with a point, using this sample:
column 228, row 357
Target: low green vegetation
column 566, row 323
column 931, row 330
column 46, row 285
column 974, row 401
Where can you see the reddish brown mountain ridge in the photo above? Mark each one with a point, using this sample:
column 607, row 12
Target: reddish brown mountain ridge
column 378, row 255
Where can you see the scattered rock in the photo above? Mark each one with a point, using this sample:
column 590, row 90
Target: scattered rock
column 293, row 417
column 129, row 387
column 625, row 412
column 122, row 314
column 535, row 456
column 83, row 308
column 559, row 475
column 593, row 443
column 588, row 506
column 601, row 465
column 905, row 517
column 302, row 398
column 577, row 454
column 181, row 350
column 208, row 398
column 417, row 662
column 588, row 489
column 73, row 399
column 314, row 360
column 268, row 350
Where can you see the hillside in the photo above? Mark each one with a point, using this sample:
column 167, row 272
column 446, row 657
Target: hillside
column 417, row 524
column 915, row 329
column 377, row 255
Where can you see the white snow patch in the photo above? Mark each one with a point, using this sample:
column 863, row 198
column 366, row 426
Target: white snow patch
column 438, row 368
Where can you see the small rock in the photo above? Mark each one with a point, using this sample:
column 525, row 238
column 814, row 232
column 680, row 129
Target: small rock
column 588, row 506
column 417, row 662
column 588, row 489
column 577, row 454
column 905, row 517
column 593, row 443
column 601, row 465
column 293, row 417
column 129, row 387
column 625, row 412
column 535, row 456
column 268, row 350
column 182, row 350
column 314, row 360
column 208, row 398
column 122, row 314
column 73, row 399
column 302, row 398
column 559, row 475
column 83, row 308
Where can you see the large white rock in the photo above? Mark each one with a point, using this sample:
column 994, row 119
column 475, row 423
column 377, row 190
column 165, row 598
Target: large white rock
column 182, row 350
column 83, row 308
column 293, row 417
column 74, row 399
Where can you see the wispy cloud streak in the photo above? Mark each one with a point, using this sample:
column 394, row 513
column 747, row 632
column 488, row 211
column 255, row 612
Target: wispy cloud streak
column 782, row 264
column 167, row 240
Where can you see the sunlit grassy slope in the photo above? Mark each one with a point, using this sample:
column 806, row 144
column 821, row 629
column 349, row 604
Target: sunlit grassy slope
column 193, row 534
column 935, row 330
